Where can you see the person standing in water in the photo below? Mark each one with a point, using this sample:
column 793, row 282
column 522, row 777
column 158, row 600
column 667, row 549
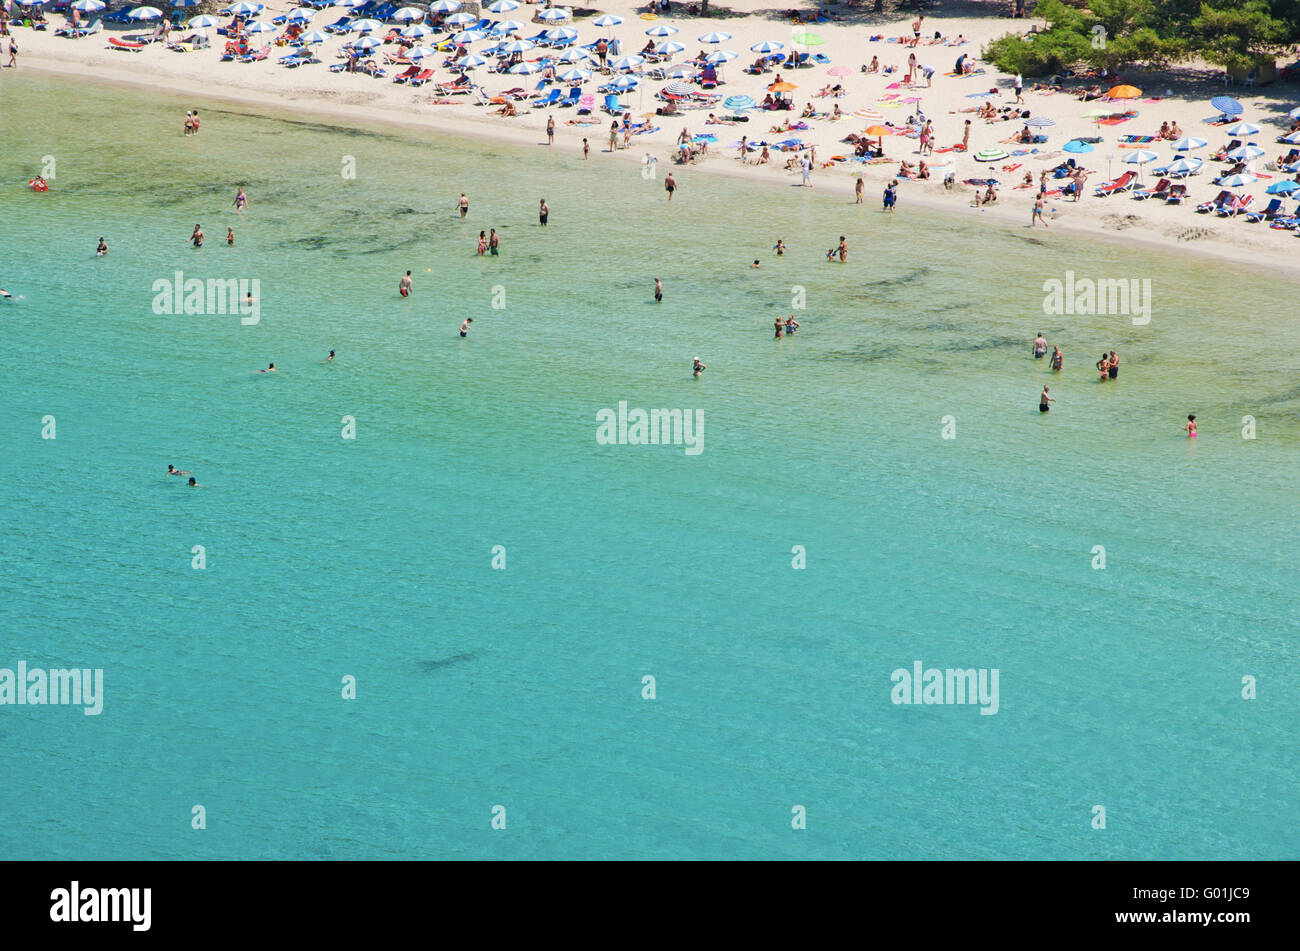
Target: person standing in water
column 586, row 149
column 1190, row 426
column 241, row 200
column 1112, row 368
column 482, row 243
column 670, row 185
column 404, row 285
column 102, row 249
column 791, row 325
column 858, row 188
column 1040, row 346
column 1044, row 401
column 779, row 247
column 543, row 212
column 230, row 237
column 463, row 205
column 494, row 242
column 698, row 368
column 1057, row 359
column 779, row 326
column 464, row 326
column 843, row 250
column 197, row 237
column 1038, row 212
column 659, row 290
column 1103, row 367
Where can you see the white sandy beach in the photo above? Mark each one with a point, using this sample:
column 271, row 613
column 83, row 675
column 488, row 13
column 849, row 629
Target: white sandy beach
column 348, row 97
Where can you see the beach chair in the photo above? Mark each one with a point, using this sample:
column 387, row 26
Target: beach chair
column 585, row 104
column 340, row 26
column 454, row 89
column 133, row 46
column 1159, row 191
column 549, row 99
column 256, row 56
column 575, row 93
column 409, row 73
column 422, row 77
column 613, row 106
column 1215, row 203
column 1176, row 195
column 297, row 58
column 1123, row 183
column 1270, row 211
column 1236, row 206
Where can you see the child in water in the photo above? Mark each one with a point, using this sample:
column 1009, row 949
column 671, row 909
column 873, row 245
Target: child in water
column 1190, row 426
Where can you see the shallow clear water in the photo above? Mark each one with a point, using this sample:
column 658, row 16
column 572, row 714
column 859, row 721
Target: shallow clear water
column 476, row 687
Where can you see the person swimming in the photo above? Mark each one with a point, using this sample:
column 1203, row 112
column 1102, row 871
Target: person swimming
column 330, row 357
column 270, row 369
column 1190, row 426
column 194, row 484
column 755, row 264
column 172, row 470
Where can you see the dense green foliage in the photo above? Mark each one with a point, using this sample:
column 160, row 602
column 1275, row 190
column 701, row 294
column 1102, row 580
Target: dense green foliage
column 1115, row 33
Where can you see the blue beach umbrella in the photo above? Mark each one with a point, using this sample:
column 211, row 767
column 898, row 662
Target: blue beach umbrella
column 516, row 46
column 669, row 48
column 1241, row 128
column 627, row 62
column 244, row 9
column 1077, row 147
column 1282, row 188
column 1189, row 143
column 1227, row 105
column 367, row 43
column 678, row 89
column 574, row 75
column 661, row 30
column 1292, row 139
column 469, row 36
column 177, row 4
column 348, row 4
column 259, row 27
column 502, row 6
column 718, row 57
column 472, row 61
column 444, row 6
column 506, row 27
column 202, row 22
column 1185, row 166
column 407, row 15
column 366, row 26
column 715, row 37
column 574, row 56
column 768, row 46
column 1040, row 122
column 421, row 52
column 739, row 103
column 301, row 15
column 1140, row 157
column 1237, row 181
column 560, row 33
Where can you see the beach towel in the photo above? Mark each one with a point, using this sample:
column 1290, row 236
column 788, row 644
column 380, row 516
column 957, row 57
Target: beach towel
column 1137, row 138
column 979, row 181
column 894, row 85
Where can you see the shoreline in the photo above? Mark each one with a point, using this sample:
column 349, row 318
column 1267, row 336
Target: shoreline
column 837, row 180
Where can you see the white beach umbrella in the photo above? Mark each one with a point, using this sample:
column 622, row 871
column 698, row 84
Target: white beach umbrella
column 768, row 46
column 460, row 19
column 421, row 52
column 661, row 30
column 202, row 22
column 524, row 69
column 559, row 33
column 348, row 4
column 669, row 48
column 301, row 15
column 145, row 13
column 870, row 115
column 259, row 27
column 554, row 14
column 624, row 83
column 472, row 61
column 1247, row 153
column 517, row 46
column 1140, row 157
column 721, row 56
column 607, row 20
column 681, row 72
column 365, row 26
column 176, row 4
column 444, row 6
column 407, row 15
column 367, row 43
column 1189, row 143
column 312, row 38
column 1292, row 139
column 467, row 37
column 575, row 75
column 244, row 9
column 509, row 26
column 715, row 37
column 1185, row 166
column 575, row 56
column 88, row 6
column 627, row 62
column 502, row 6
column 1241, row 128
column 416, row 32
column 1237, row 181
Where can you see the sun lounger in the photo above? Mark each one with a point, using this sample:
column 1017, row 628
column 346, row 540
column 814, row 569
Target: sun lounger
column 1270, row 211
column 1235, row 206
column 549, row 99
column 1123, row 183
column 409, row 73
column 90, row 30
column 1216, row 203
column 1176, row 195
column 1159, row 191
column 613, row 106
column 256, row 56
column 586, row 104
column 117, row 43
column 422, row 77
column 341, row 25
column 453, row 89
column 298, row 58
column 575, row 93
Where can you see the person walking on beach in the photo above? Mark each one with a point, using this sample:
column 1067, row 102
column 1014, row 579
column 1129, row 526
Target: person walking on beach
column 543, row 212
column 194, row 121
column 965, row 137
column 404, row 285
column 189, row 123
column 858, row 187
column 805, row 167
column 197, row 237
column 1038, row 213
column 464, row 326
column 482, row 243
column 1057, row 359
column 13, row 53
column 1040, row 346
column 1112, row 368
column 463, row 205
column 670, row 185
column 1044, row 401
column 586, row 149
column 1020, row 85
column 613, row 136
column 494, row 242
column 550, row 130
column 1190, row 426
column 659, row 290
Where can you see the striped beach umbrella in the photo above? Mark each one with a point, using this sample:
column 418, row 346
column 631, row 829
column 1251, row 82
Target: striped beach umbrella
column 1241, row 128
column 506, row 27
column 554, row 14
column 472, row 61
column 366, row 26
column 1227, row 105
column 717, row 57
column 682, row 71
column 661, row 30
column 444, row 6
column 1238, row 181
column 559, row 34
column 416, row 32
column 1140, row 157
column 312, row 38
column 1040, row 122
column 1247, row 153
column 300, row 15
column 627, row 62
column 715, row 37
column 678, row 89
column 768, row 46
column 88, row 6
column 607, row 20
column 407, row 15
column 869, row 114
column 739, row 103
column 460, row 19
column 1184, row 166
column 624, row 83
column 260, row 27
column 1292, row 139
column 469, row 36
column 524, row 69
column 176, row 4
column 575, row 75
column 202, row 22
column 145, row 13
column 502, row 6
column 1189, row 143
column 516, row 46
column 575, row 56
column 367, row 43
column 244, row 9
column 421, row 52
column 669, row 48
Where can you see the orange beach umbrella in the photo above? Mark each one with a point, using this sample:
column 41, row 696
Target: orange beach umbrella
column 1124, row 92
column 782, row 86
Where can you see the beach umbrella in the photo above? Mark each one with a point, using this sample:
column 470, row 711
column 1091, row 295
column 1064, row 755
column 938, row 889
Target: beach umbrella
column 1282, row 188
column 678, row 89
column 661, row 31
column 1077, row 147
column 1227, row 105
column 524, row 69
column 88, row 6
column 312, row 38
column 783, row 86
column 1247, row 153
column 554, row 13
column 1123, row 92
column 1189, row 143
column 669, row 48
column 624, row 83
column 575, row 75
column 807, row 39
column 502, row 6
column 300, row 15
column 444, row 6
column 348, row 4
column 1185, row 166
column 260, row 27
column 516, row 46
column 1237, row 181
column 574, row 56
column 460, row 19
column 877, row 130
column 244, row 9
column 366, row 26
column 472, row 61
column 768, row 46
column 1294, row 113
column 416, row 32
column 202, row 22
column 147, row 13
column 177, row 4
column 506, row 27
column 739, row 103
column 367, row 43
column 559, row 33
column 721, row 56
column 682, row 71
column 1097, row 113
column 1140, row 157
column 407, row 14
column 1040, row 122
column 627, row 62
column 839, row 71
column 1241, row 128
column 421, row 52
column 715, row 37
column 469, row 36
column 607, row 20
column 990, row 155
column 1292, row 139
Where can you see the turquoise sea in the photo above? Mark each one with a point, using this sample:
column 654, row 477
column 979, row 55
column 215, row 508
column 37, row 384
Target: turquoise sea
column 373, row 557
